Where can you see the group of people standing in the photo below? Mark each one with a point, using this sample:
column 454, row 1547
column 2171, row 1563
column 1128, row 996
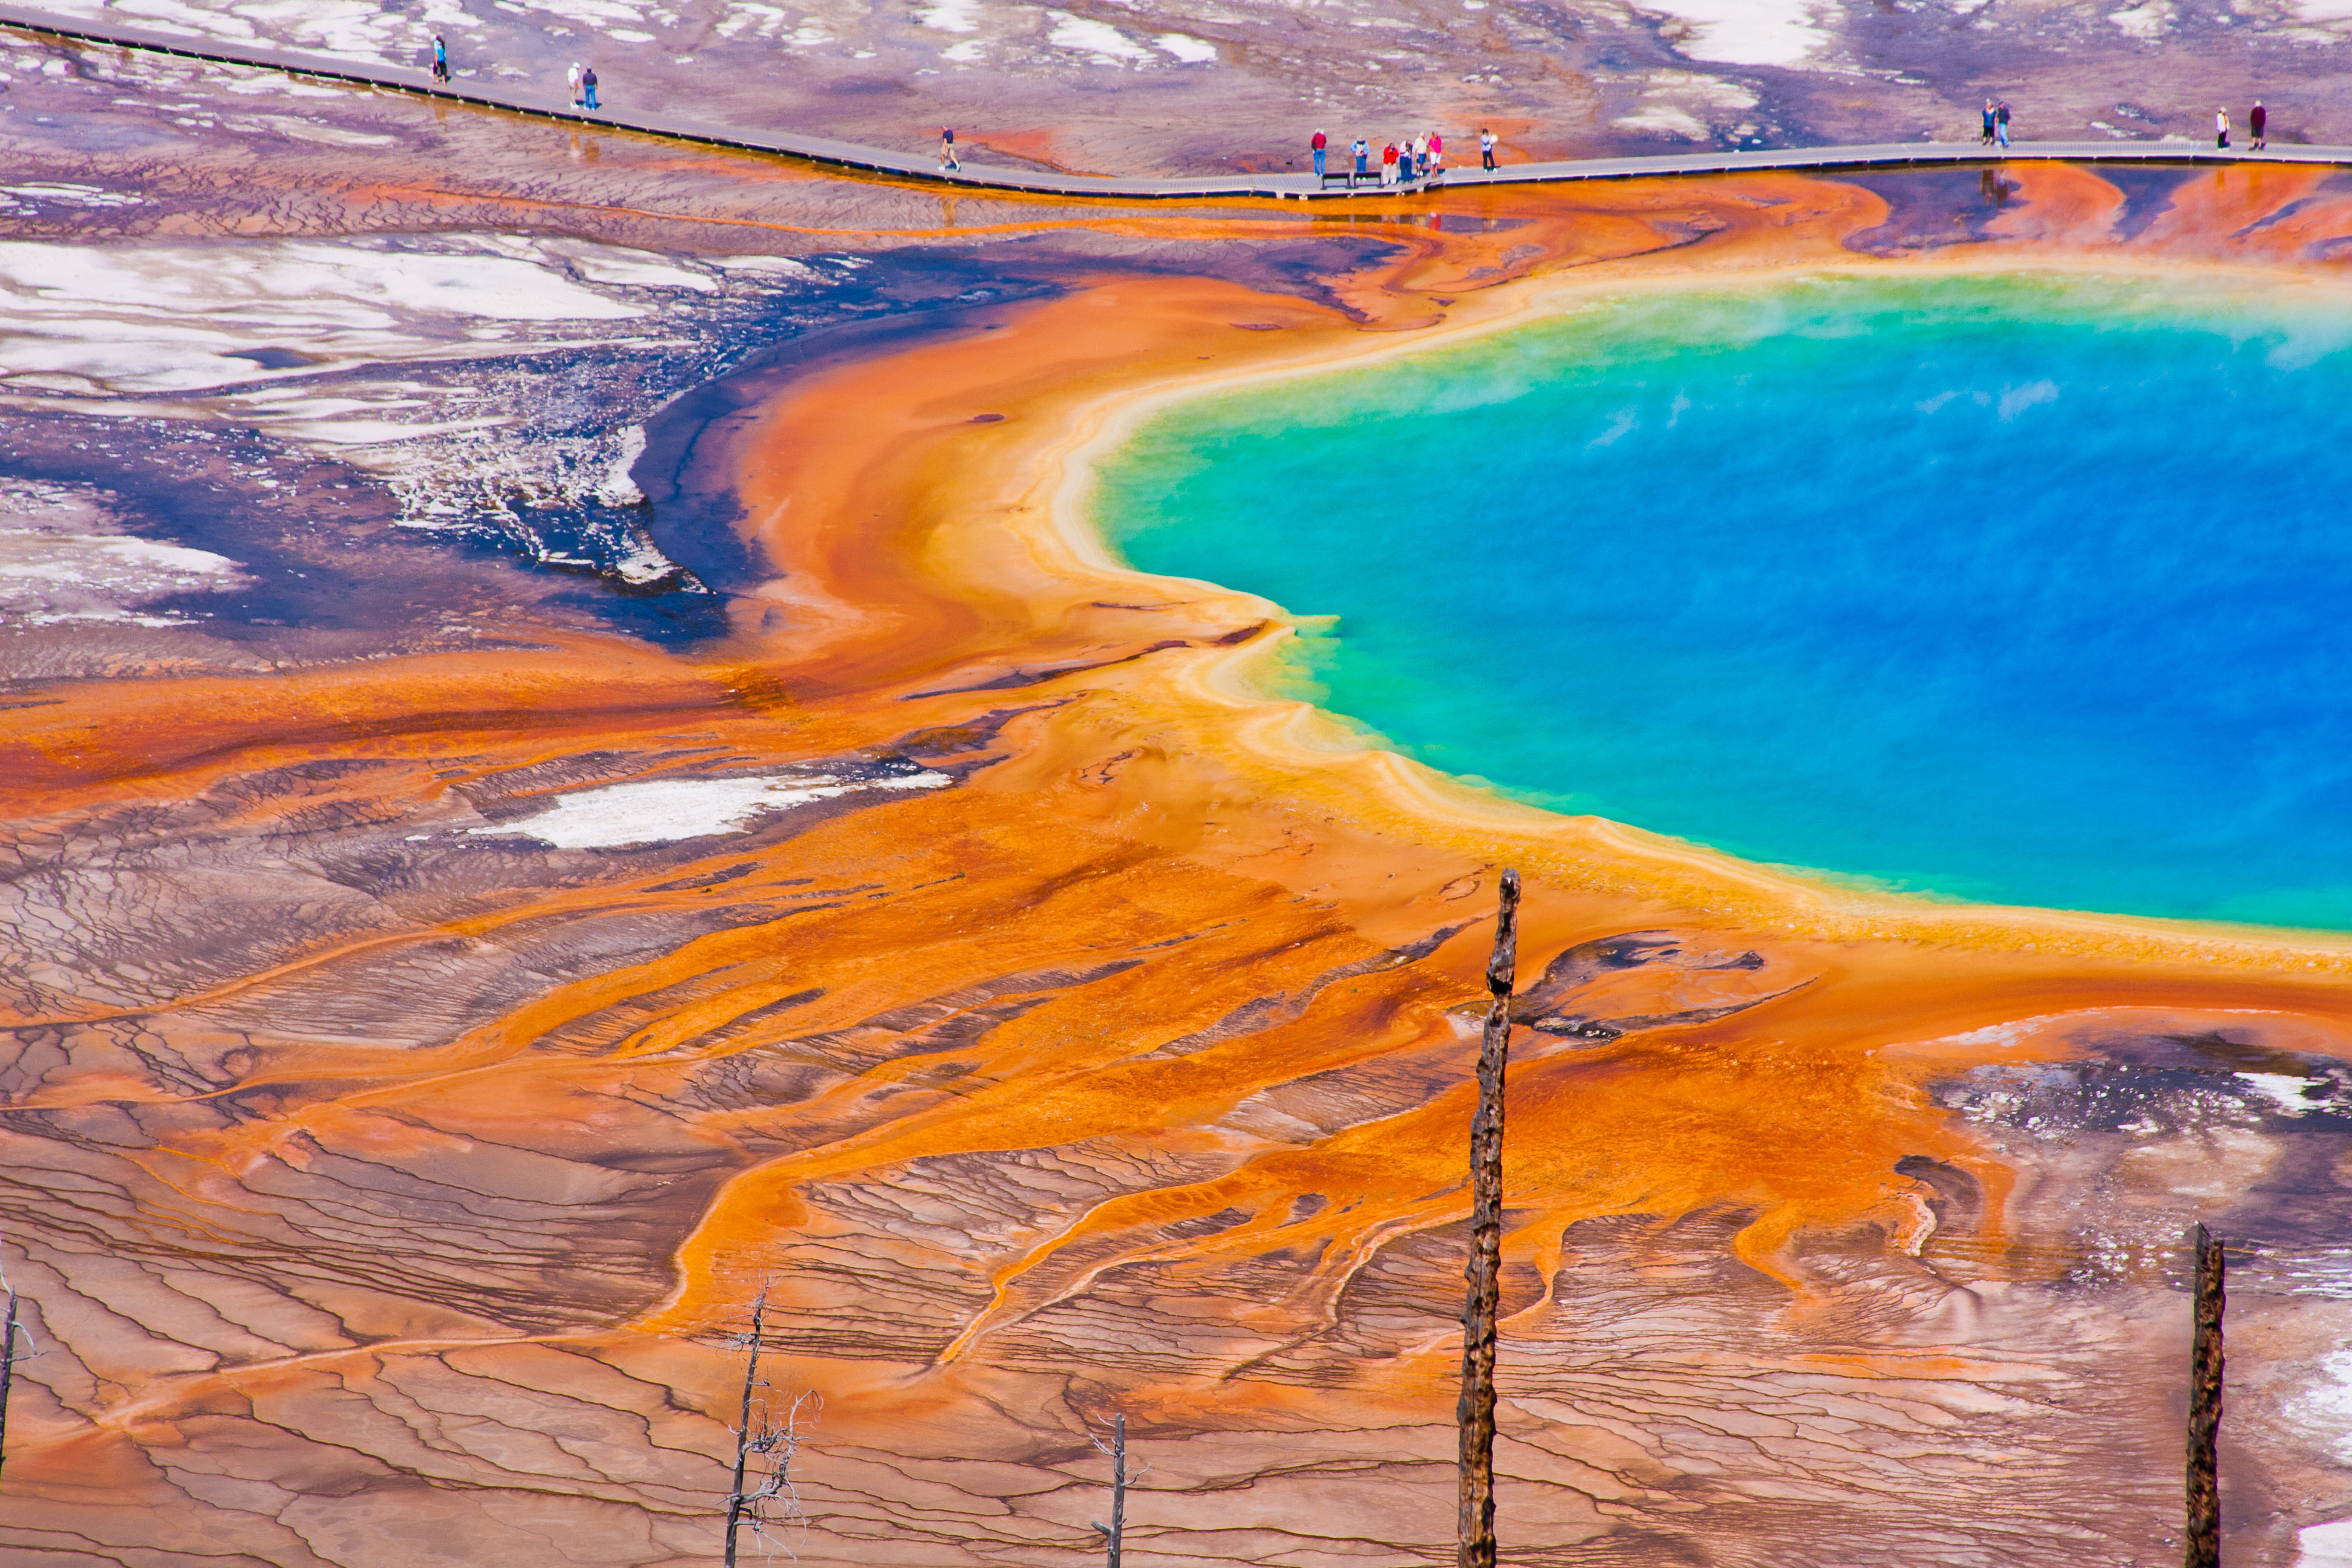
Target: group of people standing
column 1996, row 124
column 1421, row 157
column 581, row 78
column 1418, row 157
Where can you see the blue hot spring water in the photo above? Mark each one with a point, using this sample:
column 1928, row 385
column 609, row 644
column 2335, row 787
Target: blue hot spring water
column 2023, row 590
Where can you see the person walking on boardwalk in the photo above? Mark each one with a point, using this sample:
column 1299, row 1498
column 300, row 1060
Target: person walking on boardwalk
column 1363, row 152
column 440, row 59
column 588, row 89
column 572, row 85
column 2221, row 128
column 1486, row 149
column 1984, row 137
column 2258, row 126
column 1436, row 153
column 946, row 150
column 2000, row 123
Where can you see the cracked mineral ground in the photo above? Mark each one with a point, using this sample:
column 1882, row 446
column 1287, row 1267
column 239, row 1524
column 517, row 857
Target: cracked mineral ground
column 561, row 771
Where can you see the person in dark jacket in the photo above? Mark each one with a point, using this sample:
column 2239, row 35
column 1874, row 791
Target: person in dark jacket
column 2000, row 123
column 588, row 88
column 2258, row 126
column 946, row 150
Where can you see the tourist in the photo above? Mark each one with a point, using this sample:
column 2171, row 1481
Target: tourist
column 946, row 150
column 1363, row 150
column 2000, row 123
column 1421, row 156
column 2221, row 128
column 1388, row 164
column 1319, row 143
column 1984, row 137
column 1436, row 153
column 571, row 84
column 440, row 60
column 588, row 88
column 2258, row 126
column 1486, row 149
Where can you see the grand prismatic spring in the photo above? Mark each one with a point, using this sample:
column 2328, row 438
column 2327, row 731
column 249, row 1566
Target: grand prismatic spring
column 599, row 729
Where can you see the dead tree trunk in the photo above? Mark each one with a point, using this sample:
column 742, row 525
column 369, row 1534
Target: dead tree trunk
column 1475, row 1412
column 2202, row 1540
column 764, row 1447
column 7, row 1369
column 737, row 1502
column 1121, row 1478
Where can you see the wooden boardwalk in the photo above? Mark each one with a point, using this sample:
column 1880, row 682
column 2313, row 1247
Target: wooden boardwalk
column 924, row 165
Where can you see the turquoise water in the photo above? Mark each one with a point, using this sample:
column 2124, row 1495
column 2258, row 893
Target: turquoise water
column 2016, row 590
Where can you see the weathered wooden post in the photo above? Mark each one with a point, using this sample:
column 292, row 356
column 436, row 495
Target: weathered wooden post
column 2202, row 1540
column 1475, row 1412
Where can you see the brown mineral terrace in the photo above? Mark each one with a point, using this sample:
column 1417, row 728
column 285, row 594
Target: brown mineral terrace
column 386, row 1179
column 829, row 152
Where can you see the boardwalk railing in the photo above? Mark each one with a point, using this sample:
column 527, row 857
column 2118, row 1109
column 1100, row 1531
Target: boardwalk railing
column 922, row 166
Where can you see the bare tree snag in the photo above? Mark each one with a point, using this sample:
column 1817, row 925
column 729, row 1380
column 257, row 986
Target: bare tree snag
column 12, row 1332
column 1476, row 1410
column 2202, row 1540
column 1121, row 1478
column 764, row 1447
column 7, row 1368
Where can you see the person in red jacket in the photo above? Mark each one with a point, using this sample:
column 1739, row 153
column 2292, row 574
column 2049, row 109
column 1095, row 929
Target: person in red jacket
column 1388, row 164
column 1318, row 144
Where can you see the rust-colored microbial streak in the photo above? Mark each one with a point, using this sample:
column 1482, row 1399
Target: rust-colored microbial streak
column 387, row 1180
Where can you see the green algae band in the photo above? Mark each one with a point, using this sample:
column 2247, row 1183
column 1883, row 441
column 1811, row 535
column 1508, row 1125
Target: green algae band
column 2032, row 591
